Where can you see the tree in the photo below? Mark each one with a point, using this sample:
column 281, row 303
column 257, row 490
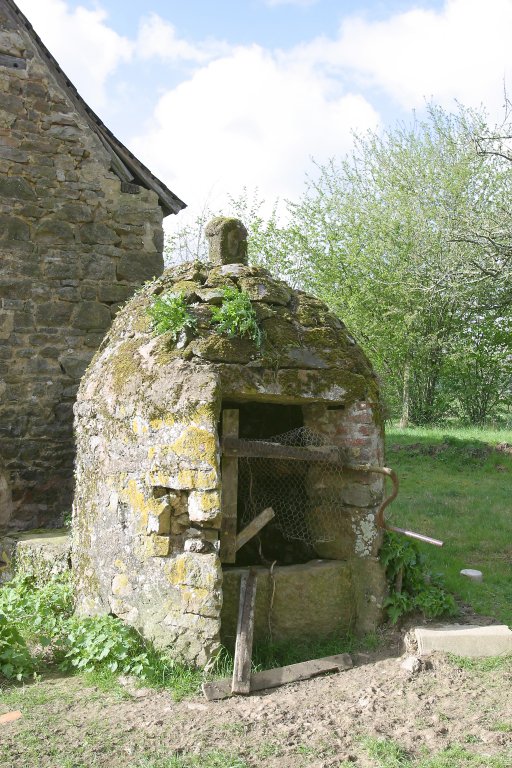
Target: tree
column 397, row 238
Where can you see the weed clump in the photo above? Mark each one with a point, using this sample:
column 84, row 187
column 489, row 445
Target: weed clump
column 170, row 314
column 236, row 316
column 38, row 631
column 412, row 586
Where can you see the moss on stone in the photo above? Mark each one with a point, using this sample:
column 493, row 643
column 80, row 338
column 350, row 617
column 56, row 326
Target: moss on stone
column 124, row 363
column 217, row 348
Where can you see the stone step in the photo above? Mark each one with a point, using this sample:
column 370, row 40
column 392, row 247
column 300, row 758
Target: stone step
column 465, row 640
column 40, row 554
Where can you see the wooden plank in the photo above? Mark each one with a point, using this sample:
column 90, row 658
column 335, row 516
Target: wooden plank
column 265, row 450
column 241, row 681
column 229, row 469
column 272, row 678
column 254, row 527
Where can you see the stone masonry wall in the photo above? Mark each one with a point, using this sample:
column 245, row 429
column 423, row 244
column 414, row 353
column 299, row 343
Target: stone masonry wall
column 73, row 247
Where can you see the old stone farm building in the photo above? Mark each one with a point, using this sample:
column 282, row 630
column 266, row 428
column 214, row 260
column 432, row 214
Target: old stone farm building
column 80, row 229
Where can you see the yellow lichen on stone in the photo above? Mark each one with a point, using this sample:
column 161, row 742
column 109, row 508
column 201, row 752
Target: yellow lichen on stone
column 121, row 586
column 139, row 426
column 196, row 444
column 204, row 506
column 120, row 564
column 157, row 546
column 141, row 505
column 160, row 522
column 202, row 479
column 177, row 571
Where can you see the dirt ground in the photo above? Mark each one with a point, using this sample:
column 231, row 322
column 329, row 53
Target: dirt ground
column 324, row 722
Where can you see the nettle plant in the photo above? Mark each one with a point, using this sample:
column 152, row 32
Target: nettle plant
column 170, row 314
column 236, row 316
column 412, row 586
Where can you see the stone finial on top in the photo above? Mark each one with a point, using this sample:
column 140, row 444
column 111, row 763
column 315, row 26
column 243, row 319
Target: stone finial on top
column 228, row 241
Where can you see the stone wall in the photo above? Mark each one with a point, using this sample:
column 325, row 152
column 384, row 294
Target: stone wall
column 73, row 247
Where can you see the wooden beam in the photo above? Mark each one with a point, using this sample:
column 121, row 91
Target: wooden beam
column 229, row 469
column 241, row 681
column 272, row 678
column 254, row 527
column 261, row 449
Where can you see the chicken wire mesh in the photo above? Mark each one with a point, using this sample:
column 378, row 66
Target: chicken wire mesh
column 305, row 495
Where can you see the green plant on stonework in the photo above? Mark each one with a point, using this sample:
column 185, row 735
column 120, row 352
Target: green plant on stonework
column 170, row 314
column 105, row 641
column 38, row 630
column 236, row 316
column 15, row 659
column 412, row 587
column 37, row 611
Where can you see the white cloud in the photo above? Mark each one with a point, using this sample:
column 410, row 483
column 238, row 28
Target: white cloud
column 158, row 38
column 87, row 49
column 459, row 52
column 251, row 118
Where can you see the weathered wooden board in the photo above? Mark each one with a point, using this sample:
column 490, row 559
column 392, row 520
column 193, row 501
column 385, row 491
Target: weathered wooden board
column 241, row 681
column 254, row 527
column 230, row 420
column 273, row 678
column 232, row 446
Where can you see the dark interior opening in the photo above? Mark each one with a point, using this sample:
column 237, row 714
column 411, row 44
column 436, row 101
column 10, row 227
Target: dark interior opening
column 279, row 484
column 263, row 420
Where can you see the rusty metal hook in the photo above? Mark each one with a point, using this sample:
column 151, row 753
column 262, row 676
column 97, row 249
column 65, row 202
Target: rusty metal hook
column 380, row 520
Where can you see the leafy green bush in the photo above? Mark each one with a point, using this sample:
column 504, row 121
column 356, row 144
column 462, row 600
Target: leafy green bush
column 87, row 644
column 38, row 630
column 15, row 658
column 170, row 314
column 37, row 611
column 412, row 587
column 236, row 316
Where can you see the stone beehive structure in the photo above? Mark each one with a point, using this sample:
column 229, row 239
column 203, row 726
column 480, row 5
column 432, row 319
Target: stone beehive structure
column 157, row 505
column 80, row 229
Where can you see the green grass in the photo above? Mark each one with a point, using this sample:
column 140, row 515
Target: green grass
column 386, row 753
column 214, row 759
column 455, row 486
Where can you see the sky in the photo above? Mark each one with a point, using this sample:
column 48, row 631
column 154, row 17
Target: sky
column 217, row 95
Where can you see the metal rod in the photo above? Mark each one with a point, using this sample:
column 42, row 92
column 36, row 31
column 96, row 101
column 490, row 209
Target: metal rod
column 380, row 520
column 413, row 535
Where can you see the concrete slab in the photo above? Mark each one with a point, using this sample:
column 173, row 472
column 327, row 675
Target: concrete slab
column 465, row 640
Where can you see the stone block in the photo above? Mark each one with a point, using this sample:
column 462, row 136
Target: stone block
column 51, row 314
column 16, row 187
column 54, row 231
column 266, row 290
column 6, row 323
column 13, row 229
column 37, row 554
column 311, row 601
column 204, row 506
column 75, row 363
column 139, row 267
column 98, row 234
column 112, row 293
column 91, row 316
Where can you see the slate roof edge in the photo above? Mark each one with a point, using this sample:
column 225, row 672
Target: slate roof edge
column 124, row 164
